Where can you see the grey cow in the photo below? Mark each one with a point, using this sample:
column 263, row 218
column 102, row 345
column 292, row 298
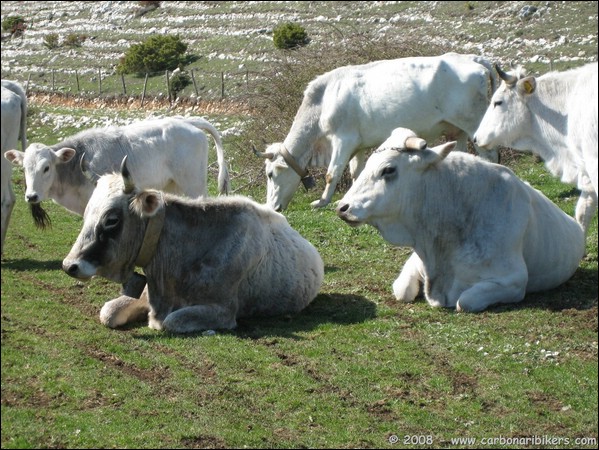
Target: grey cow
column 207, row 261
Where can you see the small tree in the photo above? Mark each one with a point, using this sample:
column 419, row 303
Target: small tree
column 178, row 82
column 289, row 35
column 156, row 54
column 15, row 24
column 51, row 41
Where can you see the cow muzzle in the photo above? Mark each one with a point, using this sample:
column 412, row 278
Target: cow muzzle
column 343, row 211
column 80, row 269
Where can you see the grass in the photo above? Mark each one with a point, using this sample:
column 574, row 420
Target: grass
column 352, row 370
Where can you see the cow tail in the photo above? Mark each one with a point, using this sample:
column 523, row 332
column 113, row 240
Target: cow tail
column 223, row 171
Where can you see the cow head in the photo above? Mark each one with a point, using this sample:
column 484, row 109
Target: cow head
column 283, row 175
column 39, row 163
column 507, row 120
column 113, row 229
column 390, row 182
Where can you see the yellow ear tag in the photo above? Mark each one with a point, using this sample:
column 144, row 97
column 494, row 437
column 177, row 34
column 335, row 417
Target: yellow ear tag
column 529, row 87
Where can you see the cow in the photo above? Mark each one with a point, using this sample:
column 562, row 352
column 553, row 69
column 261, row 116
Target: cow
column 207, row 261
column 350, row 109
column 480, row 235
column 554, row 116
column 168, row 154
column 14, row 126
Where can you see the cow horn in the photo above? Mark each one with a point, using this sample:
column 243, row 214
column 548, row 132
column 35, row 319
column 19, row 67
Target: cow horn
column 129, row 185
column 509, row 79
column 415, row 143
column 268, row 155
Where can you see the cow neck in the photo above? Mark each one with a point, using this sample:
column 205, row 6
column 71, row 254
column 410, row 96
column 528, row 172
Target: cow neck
column 151, row 236
column 291, row 162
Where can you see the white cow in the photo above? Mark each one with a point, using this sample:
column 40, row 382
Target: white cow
column 14, row 124
column 350, row 109
column 208, row 261
column 169, row 154
column 480, row 235
column 555, row 116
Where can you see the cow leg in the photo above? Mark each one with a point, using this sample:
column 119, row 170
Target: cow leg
column 339, row 160
column 407, row 285
column 124, row 309
column 200, row 317
column 587, row 202
column 8, row 198
column 510, row 289
column 356, row 165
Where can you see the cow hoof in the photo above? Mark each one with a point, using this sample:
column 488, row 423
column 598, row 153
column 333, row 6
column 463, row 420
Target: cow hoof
column 319, row 203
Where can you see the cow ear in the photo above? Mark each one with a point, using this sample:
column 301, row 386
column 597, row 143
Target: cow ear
column 14, row 156
column 526, row 85
column 65, row 154
column 147, row 203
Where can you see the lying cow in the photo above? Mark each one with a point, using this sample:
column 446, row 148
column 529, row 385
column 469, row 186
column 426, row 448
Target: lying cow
column 555, row 116
column 480, row 235
column 207, row 262
column 350, row 109
column 168, row 154
column 14, row 124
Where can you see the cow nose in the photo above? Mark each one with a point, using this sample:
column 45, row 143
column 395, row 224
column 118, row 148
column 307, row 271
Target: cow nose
column 341, row 209
column 474, row 140
column 32, row 198
column 70, row 268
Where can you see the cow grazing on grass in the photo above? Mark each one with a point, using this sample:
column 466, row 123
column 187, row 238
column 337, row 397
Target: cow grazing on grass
column 350, row 109
column 555, row 116
column 169, row 154
column 480, row 235
column 207, row 261
column 14, row 126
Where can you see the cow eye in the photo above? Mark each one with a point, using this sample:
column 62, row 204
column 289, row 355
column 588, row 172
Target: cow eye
column 46, row 169
column 497, row 103
column 111, row 221
column 388, row 171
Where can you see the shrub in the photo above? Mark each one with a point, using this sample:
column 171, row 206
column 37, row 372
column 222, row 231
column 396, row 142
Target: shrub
column 158, row 53
column 75, row 40
column 177, row 82
column 51, row 41
column 15, row 24
column 289, row 35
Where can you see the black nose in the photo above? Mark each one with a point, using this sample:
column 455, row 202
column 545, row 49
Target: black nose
column 32, row 198
column 342, row 208
column 474, row 139
column 71, row 269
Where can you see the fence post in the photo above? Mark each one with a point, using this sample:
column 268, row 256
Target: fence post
column 143, row 94
column 195, row 86
column 168, row 88
column 27, row 85
column 77, row 79
column 53, row 80
column 99, row 81
column 124, row 87
column 222, row 85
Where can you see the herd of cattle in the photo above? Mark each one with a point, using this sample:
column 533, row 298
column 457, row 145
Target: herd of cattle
column 480, row 235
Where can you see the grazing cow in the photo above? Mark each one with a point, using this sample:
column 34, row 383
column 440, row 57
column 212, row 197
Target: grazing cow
column 350, row 109
column 480, row 235
column 555, row 116
column 14, row 124
column 169, row 154
column 208, row 261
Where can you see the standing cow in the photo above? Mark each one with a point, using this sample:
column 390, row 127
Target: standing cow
column 555, row 116
column 207, row 261
column 480, row 235
column 350, row 109
column 14, row 124
column 169, row 154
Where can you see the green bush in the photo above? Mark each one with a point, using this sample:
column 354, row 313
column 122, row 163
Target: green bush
column 51, row 41
column 177, row 82
column 75, row 40
column 15, row 24
column 289, row 35
column 158, row 53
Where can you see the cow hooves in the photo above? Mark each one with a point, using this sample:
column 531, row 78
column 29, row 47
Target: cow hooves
column 319, row 203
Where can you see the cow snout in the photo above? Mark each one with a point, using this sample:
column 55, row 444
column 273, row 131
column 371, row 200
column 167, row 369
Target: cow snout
column 32, row 198
column 70, row 268
column 342, row 208
column 78, row 268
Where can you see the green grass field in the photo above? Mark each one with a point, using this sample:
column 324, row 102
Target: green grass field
column 355, row 369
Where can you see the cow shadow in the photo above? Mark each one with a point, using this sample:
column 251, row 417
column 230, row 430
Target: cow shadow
column 27, row 265
column 341, row 309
